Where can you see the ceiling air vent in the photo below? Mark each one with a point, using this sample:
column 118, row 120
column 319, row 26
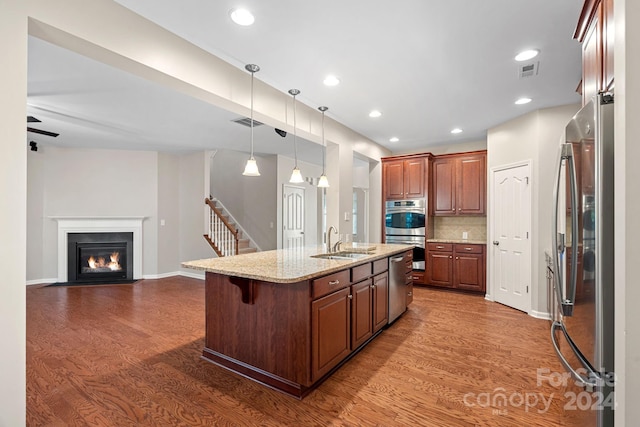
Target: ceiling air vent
column 528, row 70
column 246, row 121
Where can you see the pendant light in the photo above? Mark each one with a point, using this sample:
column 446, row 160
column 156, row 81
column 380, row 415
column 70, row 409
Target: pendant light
column 296, row 176
column 323, row 182
column 251, row 169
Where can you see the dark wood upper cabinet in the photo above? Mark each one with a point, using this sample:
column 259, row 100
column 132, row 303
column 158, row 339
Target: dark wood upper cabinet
column 404, row 178
column 459, row 184
column 471, row 180
column 444, row 187
column 595, row 30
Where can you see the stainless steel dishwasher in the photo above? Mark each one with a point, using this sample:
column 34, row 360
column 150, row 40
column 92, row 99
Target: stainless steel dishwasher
column 397, row 286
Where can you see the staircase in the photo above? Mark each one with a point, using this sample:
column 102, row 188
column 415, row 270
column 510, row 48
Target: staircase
column 224, row 235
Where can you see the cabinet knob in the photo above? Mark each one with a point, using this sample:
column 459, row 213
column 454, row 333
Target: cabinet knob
column 459, row 209
column 496, row 243
column 457, row 257
column 334, row 282
column 350, row 296
column 454, row 209
column 373, row 286
column 468, row 249
column 410, row 294
column 450, row 257
column 415, row 277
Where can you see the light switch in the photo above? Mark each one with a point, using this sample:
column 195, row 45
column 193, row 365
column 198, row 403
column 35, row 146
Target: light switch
column 465, row 235
column 162, row 222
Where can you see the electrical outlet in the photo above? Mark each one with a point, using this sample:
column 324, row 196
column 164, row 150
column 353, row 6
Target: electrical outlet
column 162, row 222
column 465, row 235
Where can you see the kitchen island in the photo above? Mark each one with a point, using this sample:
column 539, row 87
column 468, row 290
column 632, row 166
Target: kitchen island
column 288, row 319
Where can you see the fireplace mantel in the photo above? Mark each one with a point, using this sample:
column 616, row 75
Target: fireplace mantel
column 98, row 224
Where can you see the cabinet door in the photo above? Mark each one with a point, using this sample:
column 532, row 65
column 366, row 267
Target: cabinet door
column 440, row 269
column 361, row 313
column 380, row 301
column 330, row 333
column 414, row 178
column 607, row 44
column 471, row 184
column 444, row 187
column 409, row 293
column 469, row 272
column 393, row 179
column 592, row 60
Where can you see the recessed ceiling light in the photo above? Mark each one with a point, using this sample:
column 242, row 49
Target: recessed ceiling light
column 331, row 80
column 394, row 139
column 375, row 113
column 456, row 130
column 522, row 101
column 526, row 55
column 242, row 17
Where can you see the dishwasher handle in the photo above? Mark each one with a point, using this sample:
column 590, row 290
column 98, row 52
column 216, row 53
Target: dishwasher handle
column 397, row 259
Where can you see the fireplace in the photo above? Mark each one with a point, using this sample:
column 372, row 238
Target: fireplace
column 99, row 225
column 99, row 257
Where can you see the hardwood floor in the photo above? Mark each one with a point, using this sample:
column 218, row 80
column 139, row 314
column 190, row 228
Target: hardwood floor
column 129, row 355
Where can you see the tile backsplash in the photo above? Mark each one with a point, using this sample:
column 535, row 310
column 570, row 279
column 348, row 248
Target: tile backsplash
column 452, row 227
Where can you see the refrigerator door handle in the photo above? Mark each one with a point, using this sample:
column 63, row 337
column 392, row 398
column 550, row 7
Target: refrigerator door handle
column 592, row 378
column 571, row 292
column 566, row 297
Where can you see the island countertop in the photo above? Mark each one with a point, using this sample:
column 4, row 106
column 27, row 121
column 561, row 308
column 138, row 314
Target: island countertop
column 292, row 265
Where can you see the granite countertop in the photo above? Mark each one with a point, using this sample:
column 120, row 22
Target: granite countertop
column 292, row 265
column 463, row 241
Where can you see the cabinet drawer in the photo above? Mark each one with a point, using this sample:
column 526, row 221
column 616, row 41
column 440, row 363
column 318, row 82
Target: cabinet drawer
column 408, row 278
column 442, row 247
column 360, row 272
column 380, row 265
column 417, row 277
column 327, row 284
column 469, row 249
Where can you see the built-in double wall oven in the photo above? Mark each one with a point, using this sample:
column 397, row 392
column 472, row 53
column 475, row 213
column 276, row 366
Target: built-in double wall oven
column 405, row 222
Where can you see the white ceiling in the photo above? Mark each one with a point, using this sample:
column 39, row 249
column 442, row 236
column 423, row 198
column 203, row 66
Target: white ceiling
column 428, row 66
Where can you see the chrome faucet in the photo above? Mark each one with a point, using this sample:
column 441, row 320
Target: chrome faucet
column 329, row 247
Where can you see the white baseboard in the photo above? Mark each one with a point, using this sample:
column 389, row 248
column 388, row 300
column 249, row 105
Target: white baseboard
column 161, row 275
column 540, row 314
column 41, row 281
column 193, row 274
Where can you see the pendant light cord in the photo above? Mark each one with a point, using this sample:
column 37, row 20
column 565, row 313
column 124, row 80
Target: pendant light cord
column 323, row 145
column 295, row 145
column 252, row 74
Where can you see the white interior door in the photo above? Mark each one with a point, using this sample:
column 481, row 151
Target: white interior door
column 511, row 236
column 293, row 217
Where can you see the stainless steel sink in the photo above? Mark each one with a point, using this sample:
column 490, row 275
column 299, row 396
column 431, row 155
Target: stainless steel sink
column 341, row 255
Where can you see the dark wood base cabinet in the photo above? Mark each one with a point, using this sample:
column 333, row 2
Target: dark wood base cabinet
column 456, row 266
column 291, row 336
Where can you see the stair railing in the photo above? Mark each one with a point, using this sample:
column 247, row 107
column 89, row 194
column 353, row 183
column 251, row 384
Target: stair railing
column 222, row 235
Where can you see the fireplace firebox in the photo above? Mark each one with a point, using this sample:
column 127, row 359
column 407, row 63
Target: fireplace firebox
column 95, row 258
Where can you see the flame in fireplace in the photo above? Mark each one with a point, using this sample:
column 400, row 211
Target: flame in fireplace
column 100, row 262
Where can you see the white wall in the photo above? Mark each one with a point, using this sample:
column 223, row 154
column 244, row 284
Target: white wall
column 168, row 215
column 251, row 200
column 532, row 137
column 192, row 182
column 311, row 212
column 13, row 215
column 89, row 182
column 627, row 206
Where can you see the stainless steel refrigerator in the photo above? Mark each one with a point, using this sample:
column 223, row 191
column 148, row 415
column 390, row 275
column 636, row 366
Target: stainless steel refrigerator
column 583, row 258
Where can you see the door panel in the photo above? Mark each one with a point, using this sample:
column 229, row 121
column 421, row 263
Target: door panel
column 511, row 225
column 293, row 217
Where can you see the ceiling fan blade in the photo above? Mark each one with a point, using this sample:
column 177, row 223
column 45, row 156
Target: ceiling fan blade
column 42, row 132
column 31, row 119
